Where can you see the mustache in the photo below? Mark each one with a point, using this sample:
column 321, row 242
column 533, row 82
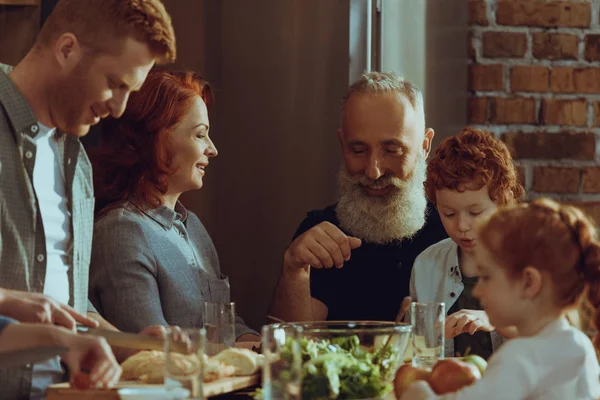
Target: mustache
column 381, row 182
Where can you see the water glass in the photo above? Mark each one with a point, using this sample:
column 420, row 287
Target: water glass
column 282, row 366
column 219, row 322
column 428, row 333
column 184, row 350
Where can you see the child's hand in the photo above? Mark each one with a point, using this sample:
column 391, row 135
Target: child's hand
column 419, row 390
column 464, row 321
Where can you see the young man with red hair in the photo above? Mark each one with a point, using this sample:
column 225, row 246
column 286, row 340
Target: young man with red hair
column 89, row 56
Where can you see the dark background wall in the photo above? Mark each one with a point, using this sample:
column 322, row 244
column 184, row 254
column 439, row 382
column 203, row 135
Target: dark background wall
column 279, row 70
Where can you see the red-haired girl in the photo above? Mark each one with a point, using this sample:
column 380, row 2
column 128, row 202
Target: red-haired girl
column 534, row 263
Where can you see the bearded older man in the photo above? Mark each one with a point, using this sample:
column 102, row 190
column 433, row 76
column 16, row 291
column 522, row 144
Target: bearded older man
column 381, row 221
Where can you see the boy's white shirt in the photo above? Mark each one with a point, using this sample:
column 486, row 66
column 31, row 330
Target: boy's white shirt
column 558, row 363
column 436, row 277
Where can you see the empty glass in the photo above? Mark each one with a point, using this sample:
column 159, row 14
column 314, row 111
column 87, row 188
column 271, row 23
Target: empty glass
column 428, row 333
column 219, row 322
column 184, row 350
column 283, row 362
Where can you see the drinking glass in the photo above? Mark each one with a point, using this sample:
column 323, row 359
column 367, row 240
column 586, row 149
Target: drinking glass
column 428, row 333
column 219, row 322
column 184, row 350
column 283, row 362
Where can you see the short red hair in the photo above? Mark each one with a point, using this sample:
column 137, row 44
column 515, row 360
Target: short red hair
column 101, row 25
column 134, row 157
column 473, row 156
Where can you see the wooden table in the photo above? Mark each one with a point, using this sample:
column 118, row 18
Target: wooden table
column 222, row 387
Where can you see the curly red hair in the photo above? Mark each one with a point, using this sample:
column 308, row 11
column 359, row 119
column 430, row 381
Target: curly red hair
column 473, row 157
column 134, row 157
column 558, row 239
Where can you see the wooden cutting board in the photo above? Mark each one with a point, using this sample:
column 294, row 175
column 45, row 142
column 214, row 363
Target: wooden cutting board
column 63, row 391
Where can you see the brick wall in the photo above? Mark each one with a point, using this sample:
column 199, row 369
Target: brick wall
column 534, row 79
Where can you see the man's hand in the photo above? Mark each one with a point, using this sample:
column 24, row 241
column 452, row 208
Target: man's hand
column 38, row 308
column 322, row 246
column 467, row 321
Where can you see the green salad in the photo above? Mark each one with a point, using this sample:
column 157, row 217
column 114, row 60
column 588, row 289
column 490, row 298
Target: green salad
column 340, row 369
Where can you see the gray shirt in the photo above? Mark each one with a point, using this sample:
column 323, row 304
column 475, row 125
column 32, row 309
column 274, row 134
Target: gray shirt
column 22, row 239
column 155, row 267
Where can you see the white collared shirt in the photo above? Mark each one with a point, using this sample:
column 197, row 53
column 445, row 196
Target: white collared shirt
column 436, row 277
column 558, row 363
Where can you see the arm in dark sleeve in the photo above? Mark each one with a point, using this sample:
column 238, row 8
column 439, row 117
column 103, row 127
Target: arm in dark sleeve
column 5, row 321
column 123, row 277
column 241, row 328
column 318, row 277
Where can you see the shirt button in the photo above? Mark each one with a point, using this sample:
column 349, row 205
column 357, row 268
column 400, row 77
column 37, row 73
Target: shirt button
column 28, row 154
column 452, row 294
column 40, row 257
column 34, row 128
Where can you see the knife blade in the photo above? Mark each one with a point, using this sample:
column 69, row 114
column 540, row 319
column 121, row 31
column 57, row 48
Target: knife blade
column 130, row 340
column 31, row 355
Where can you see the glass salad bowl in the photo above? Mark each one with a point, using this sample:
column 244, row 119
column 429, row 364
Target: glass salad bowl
column 351, row 359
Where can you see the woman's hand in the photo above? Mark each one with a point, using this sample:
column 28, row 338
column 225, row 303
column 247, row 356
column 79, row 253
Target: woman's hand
column 248, row 341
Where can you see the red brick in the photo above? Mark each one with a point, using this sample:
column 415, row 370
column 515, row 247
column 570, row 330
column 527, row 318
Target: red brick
column 564, row 112
column 555, row 180
column 587, row 80
column 544, row 13
column 590, row 208
column 470, row 46
column 575, row 80
column 504, row 44
column 561, row 80
column 477, row 13
column 478, row 110
column 486, row 77
column 526, row 78
column 512, row 111
column 555, row 46
column 592, row 47
column 591, row 180
column 551, row 146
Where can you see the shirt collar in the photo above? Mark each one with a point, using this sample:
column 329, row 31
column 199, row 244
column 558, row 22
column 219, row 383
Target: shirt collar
column 164, row 215
column 18, row 110
column 452, row 268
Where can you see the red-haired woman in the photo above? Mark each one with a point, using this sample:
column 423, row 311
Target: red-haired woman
column 153, row 262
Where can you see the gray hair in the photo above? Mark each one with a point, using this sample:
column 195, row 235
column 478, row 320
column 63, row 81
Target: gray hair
column 382, row 83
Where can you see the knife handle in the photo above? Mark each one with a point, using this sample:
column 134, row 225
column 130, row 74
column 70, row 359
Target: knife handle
column 132, row 340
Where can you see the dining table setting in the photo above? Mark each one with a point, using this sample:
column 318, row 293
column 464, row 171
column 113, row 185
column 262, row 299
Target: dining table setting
column 301, row 360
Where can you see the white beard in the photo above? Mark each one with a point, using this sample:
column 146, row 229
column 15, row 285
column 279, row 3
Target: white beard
column 397, row 215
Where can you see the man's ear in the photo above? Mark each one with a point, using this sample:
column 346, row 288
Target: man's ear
column 531, row 282
column 427, row 141
column 67, row 51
